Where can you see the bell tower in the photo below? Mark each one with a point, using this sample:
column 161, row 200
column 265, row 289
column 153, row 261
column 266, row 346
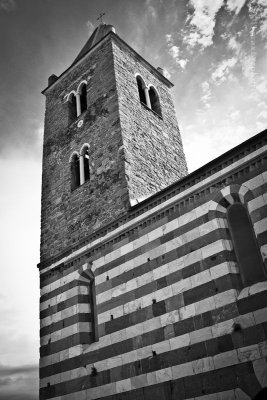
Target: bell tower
column 111, row 139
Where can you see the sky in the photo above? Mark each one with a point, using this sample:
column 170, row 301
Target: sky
column 215, row 54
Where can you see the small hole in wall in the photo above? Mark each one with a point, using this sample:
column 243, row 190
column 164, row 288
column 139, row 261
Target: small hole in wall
column 48, row 384
column 148, row 259
column 154, row 353
column 111, row 317
column 107, row 278
column 93, row 371
column 237, row 327
column 49, row 341
column 213, row 258
column 154, row 301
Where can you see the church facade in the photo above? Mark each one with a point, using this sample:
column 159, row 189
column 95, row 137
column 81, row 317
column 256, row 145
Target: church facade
column 153, row 280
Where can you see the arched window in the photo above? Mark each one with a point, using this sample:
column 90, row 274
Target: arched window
column 72, row 106
column 75, row 171
column 83, row 98
column 141, row 89
column 154, row 100
column 245, row 244
column 84, row 164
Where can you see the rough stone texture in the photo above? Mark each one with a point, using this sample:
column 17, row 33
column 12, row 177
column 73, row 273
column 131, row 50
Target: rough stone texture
column 133, row 152
column 67, row 216
column 152, row 145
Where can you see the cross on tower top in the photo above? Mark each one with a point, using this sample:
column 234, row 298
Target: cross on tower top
column 101, row 17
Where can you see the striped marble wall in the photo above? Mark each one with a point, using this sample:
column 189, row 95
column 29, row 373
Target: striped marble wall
column 162, row 314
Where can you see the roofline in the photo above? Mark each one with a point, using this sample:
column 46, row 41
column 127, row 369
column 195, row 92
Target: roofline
column 118, row 38
column 213, row 162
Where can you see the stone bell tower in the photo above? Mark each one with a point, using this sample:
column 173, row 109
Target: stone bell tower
column 111, row 139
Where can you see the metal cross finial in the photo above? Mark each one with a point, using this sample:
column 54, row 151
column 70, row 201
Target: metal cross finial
column 101, row 17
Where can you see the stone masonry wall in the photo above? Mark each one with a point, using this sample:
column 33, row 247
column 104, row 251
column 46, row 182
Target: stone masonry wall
column 153, row 147
column 68, row 216
column 174, row 319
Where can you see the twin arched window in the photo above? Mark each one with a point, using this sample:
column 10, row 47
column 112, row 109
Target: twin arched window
column 80, row 167
column 77, row 102
column 148, row 95
column 245, row 244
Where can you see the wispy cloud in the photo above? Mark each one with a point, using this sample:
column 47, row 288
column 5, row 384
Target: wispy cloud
column 223, row 71
column 202, row 22
column 235, row 5
column 19, row 382
column 7, row 5
column 174, row 52
column 206, row 97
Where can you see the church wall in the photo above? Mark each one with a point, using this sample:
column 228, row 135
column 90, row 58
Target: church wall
column 183, row 325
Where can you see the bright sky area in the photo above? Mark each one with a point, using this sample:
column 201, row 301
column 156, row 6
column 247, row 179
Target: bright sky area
column 215, row 53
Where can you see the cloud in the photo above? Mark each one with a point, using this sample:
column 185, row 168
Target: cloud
column 7, row 5
column 202, row 22
column 206, row 94
column 258, row 15
column 223, row 71
column 235, row 5
column 19, row 382
column 174, row 52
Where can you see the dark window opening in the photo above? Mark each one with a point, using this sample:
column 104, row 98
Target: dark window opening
column 92, row 300
column 72, row 109
column 75, row 172
column 140, row 85
column 245, row 244
column 83, row 97
column 86, row 165
column 154, row 101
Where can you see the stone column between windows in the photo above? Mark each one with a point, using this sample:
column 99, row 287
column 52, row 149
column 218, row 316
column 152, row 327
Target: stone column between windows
column 82, row 180
column 78, row 104
column 147, row 97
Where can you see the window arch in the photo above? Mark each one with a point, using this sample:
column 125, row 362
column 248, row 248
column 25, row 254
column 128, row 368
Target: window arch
column 245, row 244
column 84, row 164
column 154, row 100
column 72, row 107
column 141, row 89
column 75, row 171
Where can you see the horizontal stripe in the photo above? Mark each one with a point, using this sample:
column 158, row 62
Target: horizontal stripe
column 218, row 384
column 134, row 246
column 172, row 371
column 199, row 293
column 220, row 306
column 251, row 184
column 73, row 340
column 66, row 332
column 67, row 312
column 60, row 306
column 177, row 342
column 57, row 326
column 57, row 290
column 198, row 256
column 65, row 295
column 158, row 295
column 214, row 263
column 176, row 248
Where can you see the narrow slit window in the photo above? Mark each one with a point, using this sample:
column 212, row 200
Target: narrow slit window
column 245, row 244
column 86, row 165
column 75, row 172
column 72, row 108
column 141, row 91
column 154, row 101
column 83, row 97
